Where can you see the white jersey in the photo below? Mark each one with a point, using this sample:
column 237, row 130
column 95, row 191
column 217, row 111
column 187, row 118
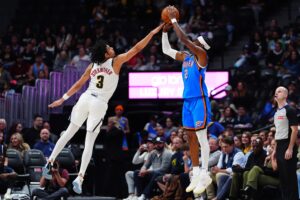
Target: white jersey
column 103, row 81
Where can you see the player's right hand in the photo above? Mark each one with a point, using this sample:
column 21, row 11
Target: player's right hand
column 56, row 103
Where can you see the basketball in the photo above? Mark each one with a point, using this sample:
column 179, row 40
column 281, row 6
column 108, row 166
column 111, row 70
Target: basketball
column 165, row 15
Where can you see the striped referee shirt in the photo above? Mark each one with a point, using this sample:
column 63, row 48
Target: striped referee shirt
column 284, row 118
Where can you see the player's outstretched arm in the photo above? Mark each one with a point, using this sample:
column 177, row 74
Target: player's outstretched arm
column 200, row 52
column 166, row 47
column 122, row 58
column 75, row 87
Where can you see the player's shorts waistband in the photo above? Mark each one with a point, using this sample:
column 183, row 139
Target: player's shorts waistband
column 96, row 95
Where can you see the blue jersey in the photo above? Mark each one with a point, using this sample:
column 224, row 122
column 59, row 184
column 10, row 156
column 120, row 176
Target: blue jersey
column 193, row 78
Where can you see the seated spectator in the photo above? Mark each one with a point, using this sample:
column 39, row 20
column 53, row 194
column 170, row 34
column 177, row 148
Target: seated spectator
column 242, row 121
column 140, row 157
column 19, row 73
column 45, row 145
column 292, row 64
column 32, row 135
column 60, row 61
column 54, row 188
column 82, row 56
column 169, row 127
column 238, row 141
column 159, row 160
column 227, row 118
column 53, row 137
column 5, row 77
column 150, row 126
column 246, row 141
column 17, row 142
column 34, row 70
column 230, row 158
column 169, row 183
column 7, row 174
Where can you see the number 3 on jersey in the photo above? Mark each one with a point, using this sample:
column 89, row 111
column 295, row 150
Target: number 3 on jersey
column 100, row 79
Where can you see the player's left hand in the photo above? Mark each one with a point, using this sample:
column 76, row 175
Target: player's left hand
column 56, row 103
column 157, row 29
column 288, row 154
column 172, row 12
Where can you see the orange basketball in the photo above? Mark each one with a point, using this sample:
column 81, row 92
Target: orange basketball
column 165, row 15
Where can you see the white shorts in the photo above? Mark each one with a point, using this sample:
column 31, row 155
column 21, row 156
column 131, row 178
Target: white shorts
column 89, row 107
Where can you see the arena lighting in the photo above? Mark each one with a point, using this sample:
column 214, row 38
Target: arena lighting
column 169, row 85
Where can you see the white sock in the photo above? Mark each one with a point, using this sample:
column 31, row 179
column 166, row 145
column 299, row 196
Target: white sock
column 63, row 140
column 196, row 171
column 202, row 138
column 88, row 151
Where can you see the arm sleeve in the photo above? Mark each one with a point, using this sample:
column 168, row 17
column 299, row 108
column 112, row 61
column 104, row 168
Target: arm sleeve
column 166, row 47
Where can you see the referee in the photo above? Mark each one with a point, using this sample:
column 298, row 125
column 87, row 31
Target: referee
column 286, row 123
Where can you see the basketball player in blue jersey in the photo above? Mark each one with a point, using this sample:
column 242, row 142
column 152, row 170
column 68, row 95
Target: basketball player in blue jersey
column 196, row 107
column 103, row 73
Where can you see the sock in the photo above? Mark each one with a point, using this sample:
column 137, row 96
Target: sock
column 202, row 138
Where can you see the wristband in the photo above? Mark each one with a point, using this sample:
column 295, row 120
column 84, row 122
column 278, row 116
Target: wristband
column 65, row 96
column 173, row 20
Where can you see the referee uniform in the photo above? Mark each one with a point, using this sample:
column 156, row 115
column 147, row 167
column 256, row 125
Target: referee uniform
column 284, row 118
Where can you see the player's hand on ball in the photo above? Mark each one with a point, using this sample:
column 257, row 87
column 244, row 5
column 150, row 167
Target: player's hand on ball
column 172, row 12
column 167, row 27
column 157, row 29
column 56, row 103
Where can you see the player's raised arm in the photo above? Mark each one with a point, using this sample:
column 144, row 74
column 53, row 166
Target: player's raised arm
column 196, row 50
column 75, row 87
column 122, row 58
column 166, row 47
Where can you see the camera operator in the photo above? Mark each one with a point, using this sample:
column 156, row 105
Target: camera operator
column 53, row 189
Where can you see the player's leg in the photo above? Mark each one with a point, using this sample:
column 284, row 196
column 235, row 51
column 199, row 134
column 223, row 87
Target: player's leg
column 188, row 124
column 78, row 116
column 202, row 118
column 94, row 122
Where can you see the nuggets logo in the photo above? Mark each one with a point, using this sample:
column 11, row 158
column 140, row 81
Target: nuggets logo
column 198, row 123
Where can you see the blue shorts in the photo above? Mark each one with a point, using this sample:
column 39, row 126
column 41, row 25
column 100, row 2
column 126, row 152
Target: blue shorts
column 196, row 114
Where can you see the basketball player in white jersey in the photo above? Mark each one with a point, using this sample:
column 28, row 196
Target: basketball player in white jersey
column 92, row 104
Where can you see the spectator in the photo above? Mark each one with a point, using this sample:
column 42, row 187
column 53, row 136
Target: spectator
column 61, row 60
column 82, row 56
column 34, row 70
column 55, row 188
column 230, row 158
column 123, row 123
column 19, row 73
column 5, row 77
column 45, row 145
column 159, row 160
column 53, row 137
column 32, row 135
column 140, row 157
column 227, row 118
column 246, row 141
column 169, row 183
column 7, row 174
column 242, row 121
column 17, row 127
column 17, row 143
column 259, row 172
column 238, row 141
column 292, row 64
column 150, row 126
column 169, row 127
